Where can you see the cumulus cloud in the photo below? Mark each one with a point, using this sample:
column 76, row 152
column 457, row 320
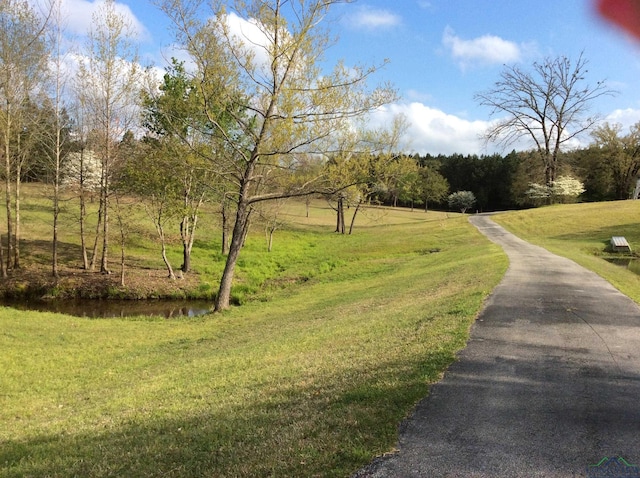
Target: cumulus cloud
column 487, row 49
column 78, row 15
column 625, row 117
column 372, row 18
column 434, row 131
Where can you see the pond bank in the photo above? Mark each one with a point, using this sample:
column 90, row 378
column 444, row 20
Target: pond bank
column 38, row 283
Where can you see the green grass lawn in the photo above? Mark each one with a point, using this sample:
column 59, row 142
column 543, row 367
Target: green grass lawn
column 311, row 377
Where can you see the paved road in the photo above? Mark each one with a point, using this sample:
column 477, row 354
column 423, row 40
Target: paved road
column 548, row 384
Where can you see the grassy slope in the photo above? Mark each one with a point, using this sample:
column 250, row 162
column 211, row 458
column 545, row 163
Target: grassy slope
column 310, row 380
column 582, row 233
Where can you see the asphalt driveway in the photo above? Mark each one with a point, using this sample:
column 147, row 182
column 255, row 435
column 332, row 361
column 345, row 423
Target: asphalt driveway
column 548, row 385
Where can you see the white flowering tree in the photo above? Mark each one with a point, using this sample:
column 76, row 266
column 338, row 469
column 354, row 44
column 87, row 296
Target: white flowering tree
column 563, row 189
column 461, row 200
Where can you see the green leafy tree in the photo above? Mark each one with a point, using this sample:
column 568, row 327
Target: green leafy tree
column 178, row 132
column 621, row 155
column 432, row 186
column 281, row 102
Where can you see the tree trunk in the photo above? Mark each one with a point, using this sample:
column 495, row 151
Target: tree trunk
column 271, row 230
column 353, row 218
column 94, row 253
column 83, row 241
column 225, row 227
column 56, row 212
column 104, row 261
column 7, row 172
column 340, row 215
column 16, row 235
column 188, row 235
column 237, row 240
column 123, row 240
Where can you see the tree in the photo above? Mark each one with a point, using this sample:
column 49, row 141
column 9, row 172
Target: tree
column 461, row 200
column 281, row 103
column 563, row 189
column 22, row 66
column 433, row 186
column 57, row 141
column 175, row 122
column 548, row 105
column 621, row 155
column 108, row 89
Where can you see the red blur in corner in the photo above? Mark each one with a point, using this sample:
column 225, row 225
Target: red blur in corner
column 624, row 13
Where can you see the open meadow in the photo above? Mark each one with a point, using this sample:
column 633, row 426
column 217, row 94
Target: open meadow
column 337, row 338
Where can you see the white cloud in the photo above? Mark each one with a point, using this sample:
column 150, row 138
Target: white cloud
column 434, row 131
column 371, row 18
column 78, row 15
column 487, row 49
column 626, row 118
column 251, row 35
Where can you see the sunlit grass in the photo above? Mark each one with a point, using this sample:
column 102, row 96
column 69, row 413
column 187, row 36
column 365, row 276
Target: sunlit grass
column 310, row 379
column 582, row 232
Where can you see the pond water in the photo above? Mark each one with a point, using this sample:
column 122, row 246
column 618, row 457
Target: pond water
column 631, row 264
column 116, row 308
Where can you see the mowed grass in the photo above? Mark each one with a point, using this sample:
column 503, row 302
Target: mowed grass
column 309, row 378
column 582, row 232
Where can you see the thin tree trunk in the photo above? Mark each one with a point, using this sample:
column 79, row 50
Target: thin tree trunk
column 104, row 261
column 225, row 227
column 123, row 240
column 271, row 238
column 94, row 253
column 16, row 235
column 83, row 213
column 56, row 212
column 160, row 230
column 7, row 172
column 353, row 218
column 3, row 269
column 83, row 241
column 188, row 234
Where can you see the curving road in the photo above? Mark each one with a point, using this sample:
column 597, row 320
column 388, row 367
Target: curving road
column 548, row 384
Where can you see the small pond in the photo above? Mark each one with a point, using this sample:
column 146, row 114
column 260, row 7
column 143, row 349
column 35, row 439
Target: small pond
column 628, row 263
column 116, row 308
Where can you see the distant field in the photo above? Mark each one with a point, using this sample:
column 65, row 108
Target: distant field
column 338, row 338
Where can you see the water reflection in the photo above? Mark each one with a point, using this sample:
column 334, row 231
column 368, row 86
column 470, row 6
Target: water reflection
column 117, row 308
column 631, row 264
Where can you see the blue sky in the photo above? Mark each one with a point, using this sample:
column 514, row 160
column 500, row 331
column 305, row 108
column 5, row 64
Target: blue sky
column 441, row 52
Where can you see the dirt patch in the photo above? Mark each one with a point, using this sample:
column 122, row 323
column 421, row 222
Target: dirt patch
column 37, row 281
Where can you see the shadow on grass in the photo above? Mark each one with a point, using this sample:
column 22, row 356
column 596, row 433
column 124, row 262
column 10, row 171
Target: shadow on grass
column 301, row 429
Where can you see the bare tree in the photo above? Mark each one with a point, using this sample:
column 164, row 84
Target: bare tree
column 22, row 64
column 109, row 83
column 548, row 105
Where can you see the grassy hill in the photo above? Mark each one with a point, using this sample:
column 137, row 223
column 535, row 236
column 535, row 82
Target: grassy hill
column 337, row 338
